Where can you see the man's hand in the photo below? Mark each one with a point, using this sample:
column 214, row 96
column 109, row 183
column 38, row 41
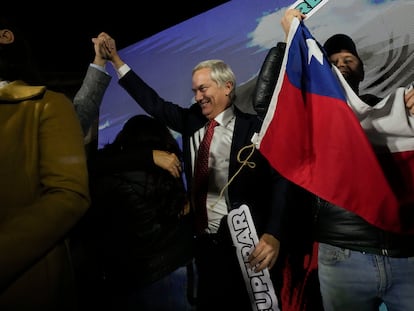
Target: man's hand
column 265, row 253
column 287, row 18
column 102, row 52
column 105, row 48
column 409, row 100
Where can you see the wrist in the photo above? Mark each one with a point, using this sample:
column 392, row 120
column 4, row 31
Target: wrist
column 99, row 61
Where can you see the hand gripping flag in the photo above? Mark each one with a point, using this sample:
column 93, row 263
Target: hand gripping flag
column 313, row 138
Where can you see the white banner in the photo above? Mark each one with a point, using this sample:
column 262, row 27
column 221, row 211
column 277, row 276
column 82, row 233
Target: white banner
column 308, row 7
column 259, row 285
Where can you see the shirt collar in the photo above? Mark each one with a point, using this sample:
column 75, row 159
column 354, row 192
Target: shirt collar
column 226, row 116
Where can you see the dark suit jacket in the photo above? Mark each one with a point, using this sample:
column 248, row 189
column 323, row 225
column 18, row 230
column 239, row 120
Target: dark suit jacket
column 261, row 187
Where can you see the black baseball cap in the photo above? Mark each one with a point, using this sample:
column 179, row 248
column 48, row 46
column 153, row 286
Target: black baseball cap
column 339, row 42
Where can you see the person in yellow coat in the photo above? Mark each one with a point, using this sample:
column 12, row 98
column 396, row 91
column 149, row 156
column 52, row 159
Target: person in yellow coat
column 43, row 184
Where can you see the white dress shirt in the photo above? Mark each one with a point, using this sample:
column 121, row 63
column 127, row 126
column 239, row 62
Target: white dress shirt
column 219, row 159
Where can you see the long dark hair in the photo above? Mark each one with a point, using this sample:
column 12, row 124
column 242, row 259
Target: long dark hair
column 144, row 132
column 16, row 59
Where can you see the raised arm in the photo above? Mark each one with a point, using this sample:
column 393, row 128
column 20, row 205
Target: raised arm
column 88, row 99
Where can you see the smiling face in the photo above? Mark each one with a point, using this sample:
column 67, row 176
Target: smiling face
column 212, row 98
column 350, row 67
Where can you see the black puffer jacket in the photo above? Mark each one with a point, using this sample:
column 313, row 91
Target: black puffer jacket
column 141, row 231
column 267, row 78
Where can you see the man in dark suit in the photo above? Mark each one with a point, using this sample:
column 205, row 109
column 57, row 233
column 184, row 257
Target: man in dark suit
column 238, row 174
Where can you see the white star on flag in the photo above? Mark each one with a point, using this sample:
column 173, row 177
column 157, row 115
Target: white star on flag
column 314, row 50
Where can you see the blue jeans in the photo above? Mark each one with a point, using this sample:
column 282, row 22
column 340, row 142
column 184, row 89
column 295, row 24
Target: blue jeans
column 352, row 280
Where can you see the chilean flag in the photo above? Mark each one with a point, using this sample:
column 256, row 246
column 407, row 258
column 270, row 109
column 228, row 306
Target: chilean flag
column 314, row 137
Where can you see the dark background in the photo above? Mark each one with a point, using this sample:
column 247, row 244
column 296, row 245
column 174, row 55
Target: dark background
column 60, row 36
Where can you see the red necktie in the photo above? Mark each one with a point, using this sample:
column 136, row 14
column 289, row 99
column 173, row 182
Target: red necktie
column 201, row 178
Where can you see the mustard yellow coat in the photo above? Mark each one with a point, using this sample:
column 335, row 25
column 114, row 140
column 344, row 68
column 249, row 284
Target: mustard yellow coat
column 43, row 193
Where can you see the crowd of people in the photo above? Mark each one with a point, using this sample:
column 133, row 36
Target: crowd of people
column 118, row 228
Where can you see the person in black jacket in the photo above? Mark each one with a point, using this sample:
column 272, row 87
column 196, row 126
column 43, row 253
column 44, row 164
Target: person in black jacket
column 298, row 256
column 360, row 266
column 348, row 243
column 142, row 227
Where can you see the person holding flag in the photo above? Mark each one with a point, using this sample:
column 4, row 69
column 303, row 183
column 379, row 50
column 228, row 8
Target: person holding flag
column 355, row 154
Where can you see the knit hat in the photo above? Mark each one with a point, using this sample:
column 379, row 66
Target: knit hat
column 336, row 44
column 339, row 42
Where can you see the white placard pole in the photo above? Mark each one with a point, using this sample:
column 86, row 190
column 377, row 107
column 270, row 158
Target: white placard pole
column 244, row 236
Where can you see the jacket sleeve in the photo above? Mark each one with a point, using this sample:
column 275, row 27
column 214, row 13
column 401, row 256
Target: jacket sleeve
column 267, row 78
column 148, row 99
column 89, row 97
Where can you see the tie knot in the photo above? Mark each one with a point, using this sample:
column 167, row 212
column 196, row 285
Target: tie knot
column 212, row 124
